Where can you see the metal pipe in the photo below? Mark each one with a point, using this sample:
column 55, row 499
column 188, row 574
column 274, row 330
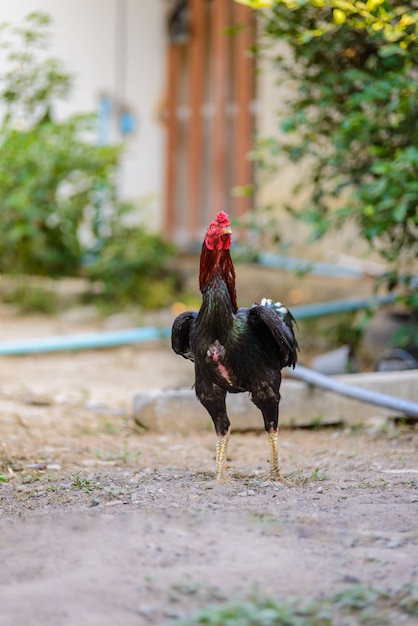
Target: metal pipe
column 405, row 407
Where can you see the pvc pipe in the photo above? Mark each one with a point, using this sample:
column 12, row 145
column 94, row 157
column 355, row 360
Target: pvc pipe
column 318, row 268
column 108, row 339
column 405, row 407
column 105, row 339
column 340, row 306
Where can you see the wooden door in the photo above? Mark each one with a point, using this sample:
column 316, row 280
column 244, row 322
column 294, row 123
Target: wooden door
column 209, row 116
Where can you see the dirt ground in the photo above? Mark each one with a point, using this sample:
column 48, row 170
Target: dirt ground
column 103, row 524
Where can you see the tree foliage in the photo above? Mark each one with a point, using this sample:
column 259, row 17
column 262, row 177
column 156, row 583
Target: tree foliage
column 354, row 114
column 396, row 22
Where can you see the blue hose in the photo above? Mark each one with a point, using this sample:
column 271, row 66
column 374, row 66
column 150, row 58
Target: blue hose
column 318, row 268
column 105, row 339
column 109, row 339
column 318, row 309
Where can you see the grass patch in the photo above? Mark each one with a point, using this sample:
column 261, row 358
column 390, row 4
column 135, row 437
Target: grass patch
column 124, row 456
column 29, row 297
column 357, row 604
column 83, row 483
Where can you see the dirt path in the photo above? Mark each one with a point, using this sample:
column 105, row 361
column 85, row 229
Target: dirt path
column 101, row 524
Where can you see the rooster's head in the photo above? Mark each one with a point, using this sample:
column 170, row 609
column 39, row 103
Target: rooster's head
column 215, row 259
column 218, row 234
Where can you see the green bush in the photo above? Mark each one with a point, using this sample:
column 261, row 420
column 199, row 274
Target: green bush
column 52, row 183
column 59, row 210
column 131, row 263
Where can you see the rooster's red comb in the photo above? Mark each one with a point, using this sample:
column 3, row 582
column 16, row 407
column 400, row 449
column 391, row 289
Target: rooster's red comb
column 222, row 218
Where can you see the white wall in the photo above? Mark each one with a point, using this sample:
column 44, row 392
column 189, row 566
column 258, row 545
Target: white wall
column 85, row 38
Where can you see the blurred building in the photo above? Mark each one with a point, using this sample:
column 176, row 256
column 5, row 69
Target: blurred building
column 167, row 78
column 174, row 80
column 116, row 51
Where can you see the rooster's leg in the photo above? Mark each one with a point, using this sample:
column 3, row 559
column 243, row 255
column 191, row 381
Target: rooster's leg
column 268, row 403
column 213, row 399
column 274, row 459
column 221, row 452
column 274, row 454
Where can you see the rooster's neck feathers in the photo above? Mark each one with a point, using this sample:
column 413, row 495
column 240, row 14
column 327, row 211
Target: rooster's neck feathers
column 218, row 263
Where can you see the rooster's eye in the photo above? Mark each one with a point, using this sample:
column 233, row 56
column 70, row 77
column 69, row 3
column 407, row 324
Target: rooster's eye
column 212, row 227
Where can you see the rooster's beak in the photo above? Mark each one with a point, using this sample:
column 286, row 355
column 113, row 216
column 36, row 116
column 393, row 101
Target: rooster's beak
column 227, row 230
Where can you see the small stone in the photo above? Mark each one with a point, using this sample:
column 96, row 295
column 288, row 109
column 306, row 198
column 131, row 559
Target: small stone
column 247, row 492
column 320, row 490
column 38, row 399
column 350, row 578
column 172, row 614
column 147, row 611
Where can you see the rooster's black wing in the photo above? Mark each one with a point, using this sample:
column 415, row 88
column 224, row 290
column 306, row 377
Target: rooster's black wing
column 262, row 317
column 180, row 334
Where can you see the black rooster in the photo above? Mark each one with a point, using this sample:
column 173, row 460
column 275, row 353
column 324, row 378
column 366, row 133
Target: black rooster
column 234, row 349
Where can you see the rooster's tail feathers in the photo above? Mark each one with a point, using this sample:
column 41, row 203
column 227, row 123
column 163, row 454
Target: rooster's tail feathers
column 282, row 311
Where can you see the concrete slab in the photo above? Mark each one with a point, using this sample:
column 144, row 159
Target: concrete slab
column 165, row 410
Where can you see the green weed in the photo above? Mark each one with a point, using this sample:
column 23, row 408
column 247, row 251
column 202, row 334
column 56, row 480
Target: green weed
column 318, row 474
column 124, row 456
column 80, row 482
column 356, row 604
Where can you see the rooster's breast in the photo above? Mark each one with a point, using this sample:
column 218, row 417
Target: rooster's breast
column 217, row 358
